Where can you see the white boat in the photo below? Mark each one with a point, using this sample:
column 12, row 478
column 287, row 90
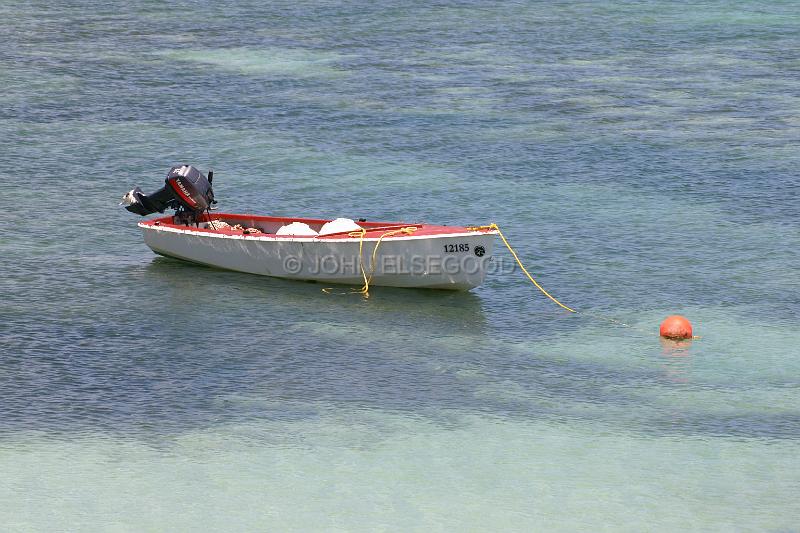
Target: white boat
column 330, row 251
column 388, row 254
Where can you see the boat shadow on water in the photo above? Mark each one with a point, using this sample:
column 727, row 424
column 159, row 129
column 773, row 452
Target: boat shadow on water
column 185, row 282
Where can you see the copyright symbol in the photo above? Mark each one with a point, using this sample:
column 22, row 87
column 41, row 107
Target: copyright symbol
column 292, row 265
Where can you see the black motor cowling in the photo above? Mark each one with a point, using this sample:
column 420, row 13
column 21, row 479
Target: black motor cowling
column 185, row 189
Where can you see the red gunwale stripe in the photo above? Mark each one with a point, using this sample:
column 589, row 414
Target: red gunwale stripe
column 423, row 229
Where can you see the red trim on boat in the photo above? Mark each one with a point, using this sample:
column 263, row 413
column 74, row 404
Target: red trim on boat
column 374, row 229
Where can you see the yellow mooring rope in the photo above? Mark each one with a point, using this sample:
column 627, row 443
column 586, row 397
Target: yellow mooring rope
column 364, row 290
column 593, row 314
column 494, row 226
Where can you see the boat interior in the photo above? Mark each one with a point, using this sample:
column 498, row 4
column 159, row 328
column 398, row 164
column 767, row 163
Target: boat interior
column 238, row 224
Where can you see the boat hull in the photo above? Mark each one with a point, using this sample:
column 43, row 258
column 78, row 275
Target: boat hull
column 456, row 260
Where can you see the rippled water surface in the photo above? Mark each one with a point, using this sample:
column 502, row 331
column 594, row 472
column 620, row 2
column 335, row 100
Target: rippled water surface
column 642, row 157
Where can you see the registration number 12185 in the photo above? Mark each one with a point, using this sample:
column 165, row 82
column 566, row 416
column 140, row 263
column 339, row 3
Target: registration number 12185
column 451, row 248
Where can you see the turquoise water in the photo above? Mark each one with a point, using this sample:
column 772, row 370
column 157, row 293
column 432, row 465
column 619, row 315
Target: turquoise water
column 641, row 156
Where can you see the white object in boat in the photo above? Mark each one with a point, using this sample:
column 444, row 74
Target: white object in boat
column 339, row 225
column 296, row 228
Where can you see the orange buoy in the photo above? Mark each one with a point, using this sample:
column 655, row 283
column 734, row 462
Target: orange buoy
column 676, row 327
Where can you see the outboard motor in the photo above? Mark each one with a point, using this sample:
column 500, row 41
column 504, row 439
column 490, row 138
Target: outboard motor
column 185, row 189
